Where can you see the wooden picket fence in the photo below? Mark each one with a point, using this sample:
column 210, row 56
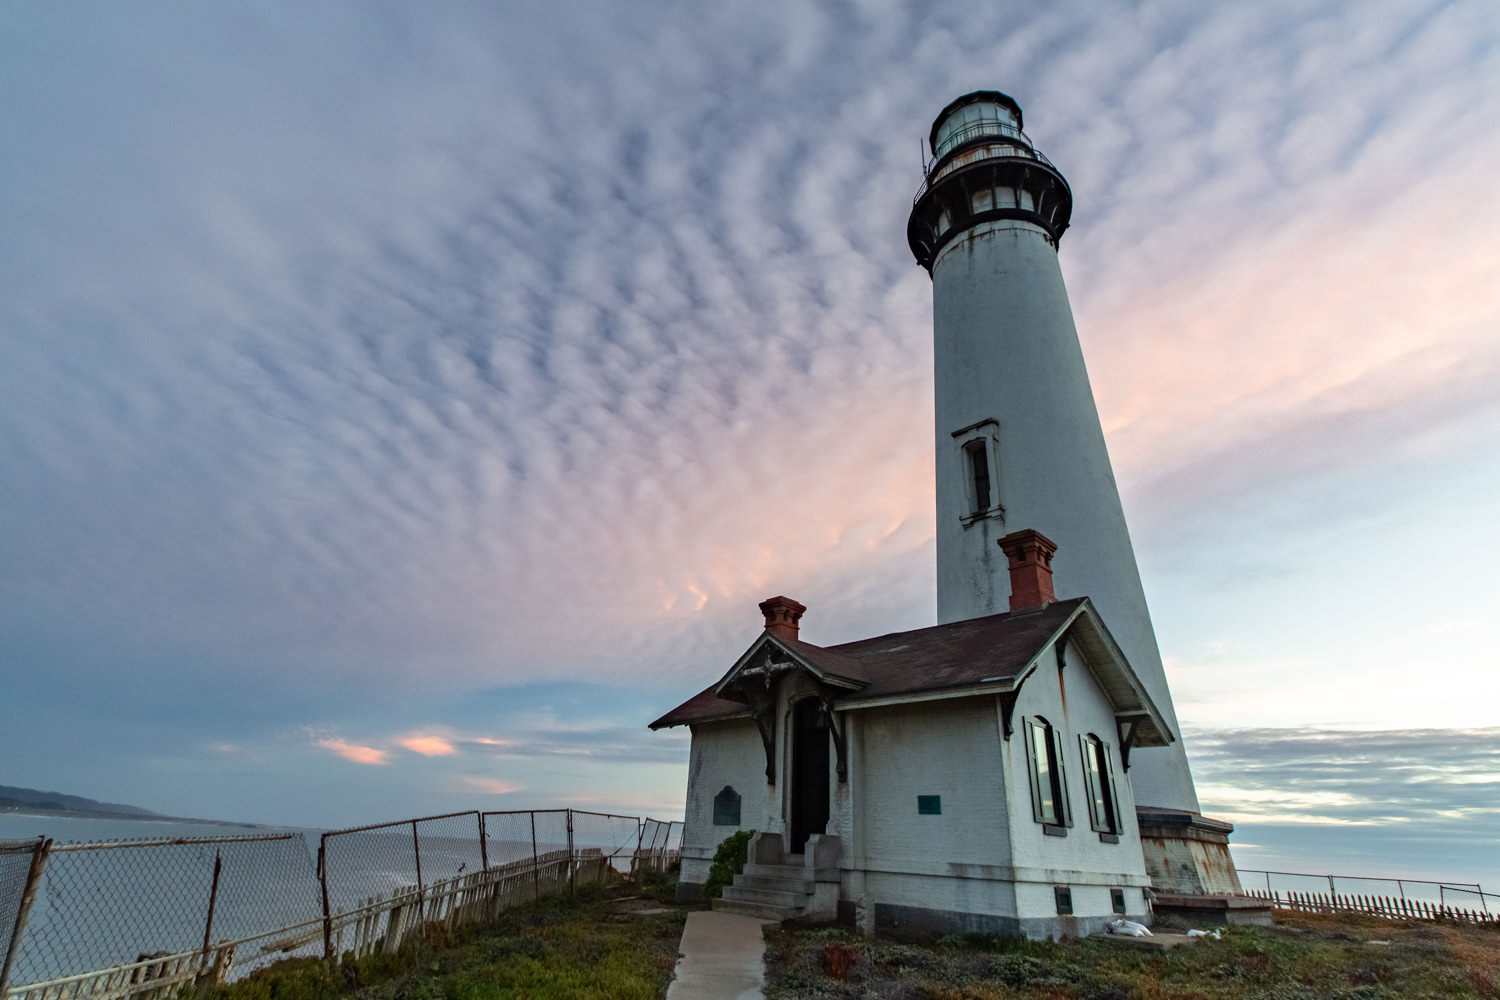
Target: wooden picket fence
column 383, row 924
column 1396, row 908
column 148, row 979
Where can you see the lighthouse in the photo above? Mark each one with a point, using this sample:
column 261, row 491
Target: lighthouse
column 1019, row 443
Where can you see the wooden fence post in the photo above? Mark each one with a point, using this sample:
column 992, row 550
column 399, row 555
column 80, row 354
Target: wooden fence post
column 572, row 882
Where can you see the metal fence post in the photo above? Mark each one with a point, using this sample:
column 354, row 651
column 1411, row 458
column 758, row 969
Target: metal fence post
column 416, row 846
column 213, row 899
column 484, row 850
column 327, row 916
column 536, row 877
column 572, row 883
column 28, row 896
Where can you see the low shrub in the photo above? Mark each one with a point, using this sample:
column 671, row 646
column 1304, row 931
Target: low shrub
column 729, row 861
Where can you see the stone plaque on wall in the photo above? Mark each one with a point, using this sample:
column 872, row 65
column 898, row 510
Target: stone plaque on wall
column 727, row 807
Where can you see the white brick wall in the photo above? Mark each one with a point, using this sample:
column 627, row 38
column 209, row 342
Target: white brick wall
column 983, row 853
column 949, row 749
column 724, row 753
column 1084, row 710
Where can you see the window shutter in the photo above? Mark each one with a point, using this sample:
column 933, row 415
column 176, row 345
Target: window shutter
column 1090, row 791
column 1064, row 807
column 1036, row 790
column 1114, row 790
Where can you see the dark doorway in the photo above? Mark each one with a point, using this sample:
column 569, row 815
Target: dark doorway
column 809, row 773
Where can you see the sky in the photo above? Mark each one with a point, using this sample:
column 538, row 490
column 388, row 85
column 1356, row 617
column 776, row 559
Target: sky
column 402, row 405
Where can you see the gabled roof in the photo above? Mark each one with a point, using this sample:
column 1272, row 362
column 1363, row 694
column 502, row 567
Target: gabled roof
column 827, row 665
column 988, row 655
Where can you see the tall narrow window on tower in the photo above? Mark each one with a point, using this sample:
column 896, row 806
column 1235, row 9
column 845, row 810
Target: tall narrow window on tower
column 976, row 450
column 979, row 472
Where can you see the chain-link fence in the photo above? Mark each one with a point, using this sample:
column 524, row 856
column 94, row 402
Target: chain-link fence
column 616, row 838
column 1397, row 898
column 20, row 862
column 142, row 904
column 1415, row 889
column 660, row 845
column 1469, row 899
column 131, row 920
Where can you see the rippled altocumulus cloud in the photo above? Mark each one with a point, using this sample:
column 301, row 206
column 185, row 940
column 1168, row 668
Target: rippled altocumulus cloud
column 447, row 346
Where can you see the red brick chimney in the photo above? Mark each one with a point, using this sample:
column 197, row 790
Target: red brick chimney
column 782, row 615
column 1030, row 555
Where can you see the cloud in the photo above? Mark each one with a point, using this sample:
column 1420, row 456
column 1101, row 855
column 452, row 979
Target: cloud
column 645, row 805
column 352, row 751
column 490, row 786
column 368, row 354
column 1414, row 803
column 664, row 369
column 604, row 741
column 1334, row 776
column 427, row 744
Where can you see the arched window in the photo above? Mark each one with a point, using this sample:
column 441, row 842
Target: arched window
column 1049, row 785
column 1099, row 779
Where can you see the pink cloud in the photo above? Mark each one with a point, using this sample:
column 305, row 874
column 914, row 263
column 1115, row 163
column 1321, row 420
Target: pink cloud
column 351, row 751
column 427, row 745
column 490, row 786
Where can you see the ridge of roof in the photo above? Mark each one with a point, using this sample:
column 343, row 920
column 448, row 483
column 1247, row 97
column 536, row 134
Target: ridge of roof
column 958, row 654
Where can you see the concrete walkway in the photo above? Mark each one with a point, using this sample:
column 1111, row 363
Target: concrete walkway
column 722, row 957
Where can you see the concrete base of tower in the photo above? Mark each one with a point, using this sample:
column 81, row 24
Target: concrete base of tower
column 1187, row 852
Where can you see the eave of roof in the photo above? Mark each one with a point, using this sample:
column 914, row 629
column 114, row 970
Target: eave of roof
column 976, row 657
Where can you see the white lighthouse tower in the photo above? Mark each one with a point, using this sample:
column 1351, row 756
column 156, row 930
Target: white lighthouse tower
column 1019, row 444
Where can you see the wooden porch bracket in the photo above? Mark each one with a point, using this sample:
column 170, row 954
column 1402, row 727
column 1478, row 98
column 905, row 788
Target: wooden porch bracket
column 839, row 745
column 1008, row 707
column 1127, row 738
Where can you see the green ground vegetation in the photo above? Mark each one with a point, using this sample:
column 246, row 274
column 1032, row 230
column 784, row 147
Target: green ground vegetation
column 593, row 947
column 1304, row 957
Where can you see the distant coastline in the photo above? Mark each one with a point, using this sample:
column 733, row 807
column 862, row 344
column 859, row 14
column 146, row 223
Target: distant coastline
column 16, row 801
column 8, row 809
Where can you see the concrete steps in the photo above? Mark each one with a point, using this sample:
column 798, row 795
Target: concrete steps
column 771, row 897
column 770, row 892
column 760, row 911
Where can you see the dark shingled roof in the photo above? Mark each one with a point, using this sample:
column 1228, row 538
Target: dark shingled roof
column 956, row 655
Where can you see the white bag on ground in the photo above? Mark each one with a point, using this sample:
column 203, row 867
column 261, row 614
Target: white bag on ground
column 1129, row 928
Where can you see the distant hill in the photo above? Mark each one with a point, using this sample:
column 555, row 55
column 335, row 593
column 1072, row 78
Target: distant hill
column 13, row 799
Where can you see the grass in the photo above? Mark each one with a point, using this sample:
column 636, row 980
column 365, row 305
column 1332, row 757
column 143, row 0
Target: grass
column 1304, row 956
column 586, row 947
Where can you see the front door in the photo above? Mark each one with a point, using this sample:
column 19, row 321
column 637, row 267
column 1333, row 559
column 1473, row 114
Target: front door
column 809, row 773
